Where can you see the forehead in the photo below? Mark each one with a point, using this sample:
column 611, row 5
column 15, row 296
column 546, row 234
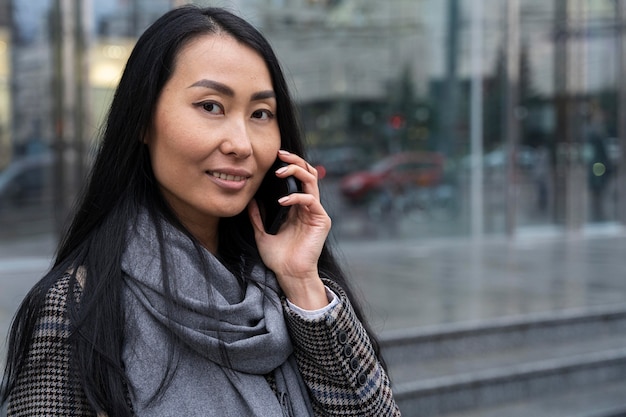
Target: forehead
column 223, row 56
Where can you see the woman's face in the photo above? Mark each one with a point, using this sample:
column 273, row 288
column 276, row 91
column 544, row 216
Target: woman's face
column 214, row 133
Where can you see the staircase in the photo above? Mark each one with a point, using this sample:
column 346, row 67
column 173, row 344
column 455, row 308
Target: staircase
column 569, row 364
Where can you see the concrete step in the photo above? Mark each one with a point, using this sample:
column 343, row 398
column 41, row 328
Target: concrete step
column 465, row 367
column 601, row 400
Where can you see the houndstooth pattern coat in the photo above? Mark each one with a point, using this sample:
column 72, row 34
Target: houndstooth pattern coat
column 334, row 355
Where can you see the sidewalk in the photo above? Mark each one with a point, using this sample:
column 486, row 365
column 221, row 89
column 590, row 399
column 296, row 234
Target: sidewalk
column 428, row 282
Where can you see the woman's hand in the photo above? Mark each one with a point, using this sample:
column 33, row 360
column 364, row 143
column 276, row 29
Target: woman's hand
column 293, row 253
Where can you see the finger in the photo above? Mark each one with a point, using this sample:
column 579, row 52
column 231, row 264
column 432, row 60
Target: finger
column 303, row 171
column 307, row 201
column 297, row 160
column 308, row 210
column 299, row 172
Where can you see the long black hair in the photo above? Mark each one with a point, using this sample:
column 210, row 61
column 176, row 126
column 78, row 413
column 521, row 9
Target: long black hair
column 120, row 184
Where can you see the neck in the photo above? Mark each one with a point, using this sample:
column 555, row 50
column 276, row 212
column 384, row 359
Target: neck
column 207, row 239
column 205, row 233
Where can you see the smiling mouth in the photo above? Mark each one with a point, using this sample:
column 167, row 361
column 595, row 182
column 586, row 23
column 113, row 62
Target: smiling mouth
column 227, row 177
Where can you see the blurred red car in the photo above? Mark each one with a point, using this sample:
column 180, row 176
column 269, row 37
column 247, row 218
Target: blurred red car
column 398, row 171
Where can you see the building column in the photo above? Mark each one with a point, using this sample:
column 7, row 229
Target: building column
column 70, row 89
column 570, row 183
column 511, row 105
column 621, row 106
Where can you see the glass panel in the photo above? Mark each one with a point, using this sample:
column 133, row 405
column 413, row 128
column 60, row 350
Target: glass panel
column 25, row 126
column 568, row 151
column 600, row 152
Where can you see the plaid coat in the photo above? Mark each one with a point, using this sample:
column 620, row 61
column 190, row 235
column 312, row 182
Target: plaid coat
column 333, row 353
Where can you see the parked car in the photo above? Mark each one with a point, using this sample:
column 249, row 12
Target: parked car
column 396, row 172
column 25, row 181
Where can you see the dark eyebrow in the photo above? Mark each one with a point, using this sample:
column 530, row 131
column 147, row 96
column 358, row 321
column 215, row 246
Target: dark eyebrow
column 226, row 90
column 214, row 85
column 262, row 95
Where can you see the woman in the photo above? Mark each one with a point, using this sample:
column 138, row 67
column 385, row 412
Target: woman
column 167, row 297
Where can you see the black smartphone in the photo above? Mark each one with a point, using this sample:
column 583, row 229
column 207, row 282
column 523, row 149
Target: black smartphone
column 273, row 188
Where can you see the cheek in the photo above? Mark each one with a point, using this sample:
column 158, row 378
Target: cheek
column 171, row 161
column 162, row 168
column 267, row 151
column 175, row 142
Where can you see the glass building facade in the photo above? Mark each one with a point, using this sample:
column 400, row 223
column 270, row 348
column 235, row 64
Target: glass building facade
column 428, row 118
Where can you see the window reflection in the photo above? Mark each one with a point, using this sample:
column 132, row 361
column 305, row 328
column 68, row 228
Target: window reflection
column 375, row 81
column 384, row 92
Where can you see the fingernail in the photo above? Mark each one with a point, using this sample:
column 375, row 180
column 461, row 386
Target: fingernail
column 283, row 152
column 281, row 170
column 283, row 199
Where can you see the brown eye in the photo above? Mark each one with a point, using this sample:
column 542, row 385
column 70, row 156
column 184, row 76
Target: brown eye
column 263, row 114
column 213, row 108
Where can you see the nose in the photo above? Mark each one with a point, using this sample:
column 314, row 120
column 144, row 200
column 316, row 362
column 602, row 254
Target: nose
column 236, row 140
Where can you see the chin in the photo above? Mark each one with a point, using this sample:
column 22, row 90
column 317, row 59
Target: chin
column 232, row 211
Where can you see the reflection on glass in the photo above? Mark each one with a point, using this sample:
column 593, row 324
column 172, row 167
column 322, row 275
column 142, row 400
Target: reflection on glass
column 379, row 80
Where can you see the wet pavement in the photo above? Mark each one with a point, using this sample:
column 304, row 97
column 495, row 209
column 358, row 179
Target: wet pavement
column 430, row 282
column 409, row 283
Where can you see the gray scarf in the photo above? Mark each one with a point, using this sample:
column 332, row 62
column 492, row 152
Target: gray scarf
column 247, row 319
